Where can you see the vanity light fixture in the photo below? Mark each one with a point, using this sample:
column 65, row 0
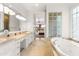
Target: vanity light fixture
column 8, row 11
column 20, row 17
column 11, row 12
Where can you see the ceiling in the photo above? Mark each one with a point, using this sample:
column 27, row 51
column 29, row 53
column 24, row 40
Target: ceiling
column 28, row 9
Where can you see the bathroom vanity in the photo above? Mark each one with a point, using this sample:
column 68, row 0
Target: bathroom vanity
column 10, row 45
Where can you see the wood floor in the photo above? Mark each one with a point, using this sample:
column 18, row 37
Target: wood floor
column 41, row 47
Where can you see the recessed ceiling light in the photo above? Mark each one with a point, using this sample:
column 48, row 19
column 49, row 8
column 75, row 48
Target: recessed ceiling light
column 10, row 6
column 36, row 5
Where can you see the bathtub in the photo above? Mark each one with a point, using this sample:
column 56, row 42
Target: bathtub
column 65, row 47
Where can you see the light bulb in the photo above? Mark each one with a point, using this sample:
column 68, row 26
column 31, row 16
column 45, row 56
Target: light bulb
column 36, row 5
column 8, row 11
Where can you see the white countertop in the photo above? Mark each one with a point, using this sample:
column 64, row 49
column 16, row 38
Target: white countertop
column 4, row 38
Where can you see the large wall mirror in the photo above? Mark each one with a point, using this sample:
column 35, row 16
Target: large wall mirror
column 1, row 18
column 11, row 23
column 10, row 18
column 1, row 23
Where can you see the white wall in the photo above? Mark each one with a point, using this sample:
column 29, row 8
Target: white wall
column 41, row 17
column 27, row 25
column 65, row 17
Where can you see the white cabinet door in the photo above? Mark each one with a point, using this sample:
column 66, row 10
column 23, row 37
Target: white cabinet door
column 6, row 48
column 10, row 48
column 29, row 39
column 17, row 48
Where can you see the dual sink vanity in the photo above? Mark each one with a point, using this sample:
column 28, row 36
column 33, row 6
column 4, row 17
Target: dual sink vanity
column 10, row 45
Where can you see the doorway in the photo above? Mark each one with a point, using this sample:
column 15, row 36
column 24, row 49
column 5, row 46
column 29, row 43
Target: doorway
column 55, row 22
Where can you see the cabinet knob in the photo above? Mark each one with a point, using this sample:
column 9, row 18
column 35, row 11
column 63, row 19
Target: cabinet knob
column 15, row 33
column 8, row 35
